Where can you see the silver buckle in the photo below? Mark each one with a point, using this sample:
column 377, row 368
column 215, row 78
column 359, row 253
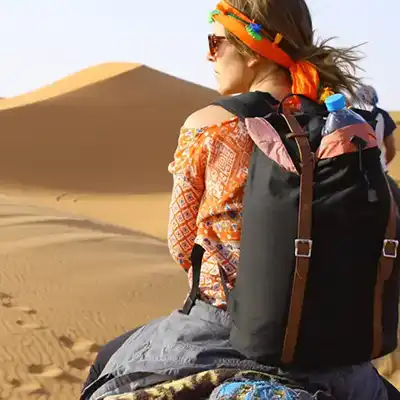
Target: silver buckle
column 386, row 242
column 297, row 242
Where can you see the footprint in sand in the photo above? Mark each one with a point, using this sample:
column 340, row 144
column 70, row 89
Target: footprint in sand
column 86, row 346
column 26, row 310
column 6, row 301
column 62, row 195
column 80, row 345
column 52, row 372
column 30, row 388
column 82, row 364
column 30, row 325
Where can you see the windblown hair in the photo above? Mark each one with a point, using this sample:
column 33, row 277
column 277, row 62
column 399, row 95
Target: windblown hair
column 292, row 18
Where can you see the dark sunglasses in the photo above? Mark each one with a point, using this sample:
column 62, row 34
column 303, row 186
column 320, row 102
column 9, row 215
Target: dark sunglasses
column 213, row 42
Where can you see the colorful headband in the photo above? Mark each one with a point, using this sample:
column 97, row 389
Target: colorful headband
column 305, row 76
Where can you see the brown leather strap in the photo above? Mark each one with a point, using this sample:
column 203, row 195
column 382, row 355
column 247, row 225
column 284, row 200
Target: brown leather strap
column 385, row 268
column 303, row 243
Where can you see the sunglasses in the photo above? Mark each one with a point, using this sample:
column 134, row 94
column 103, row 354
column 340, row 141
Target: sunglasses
column 213, row 42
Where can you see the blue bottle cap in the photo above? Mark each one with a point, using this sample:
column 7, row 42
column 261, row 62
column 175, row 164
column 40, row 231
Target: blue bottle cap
column 335, row 102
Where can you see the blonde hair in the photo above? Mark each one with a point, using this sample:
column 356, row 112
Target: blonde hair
column 337, row 66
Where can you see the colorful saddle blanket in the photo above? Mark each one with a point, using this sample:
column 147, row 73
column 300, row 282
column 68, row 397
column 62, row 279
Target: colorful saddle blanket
column 224, row 384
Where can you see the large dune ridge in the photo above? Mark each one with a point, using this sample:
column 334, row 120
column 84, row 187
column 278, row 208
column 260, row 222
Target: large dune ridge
column 84, row 196
column 396, row 116
column 115, row 135
column 74, row 81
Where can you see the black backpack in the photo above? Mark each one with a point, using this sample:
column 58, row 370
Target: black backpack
column 318, row 282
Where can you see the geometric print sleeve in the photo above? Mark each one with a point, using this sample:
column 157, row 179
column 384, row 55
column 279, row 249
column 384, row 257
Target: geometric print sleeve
column 188, row 171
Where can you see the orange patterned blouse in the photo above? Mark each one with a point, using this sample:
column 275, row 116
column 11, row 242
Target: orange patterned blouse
column 210, row 170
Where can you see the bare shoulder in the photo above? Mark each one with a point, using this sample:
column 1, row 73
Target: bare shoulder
column 210, row 115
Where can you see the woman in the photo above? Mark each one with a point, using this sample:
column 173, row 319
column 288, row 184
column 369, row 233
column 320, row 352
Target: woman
column 367, row 100
column 210, row 170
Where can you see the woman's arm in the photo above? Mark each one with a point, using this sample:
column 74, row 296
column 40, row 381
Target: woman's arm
column 388, row 136
column 187, row 170
column 390, row 148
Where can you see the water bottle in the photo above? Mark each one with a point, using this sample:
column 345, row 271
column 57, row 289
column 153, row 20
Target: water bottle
column 339, row 115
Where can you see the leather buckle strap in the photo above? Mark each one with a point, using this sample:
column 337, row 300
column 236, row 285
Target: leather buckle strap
column 303, row 243
column 385, row 268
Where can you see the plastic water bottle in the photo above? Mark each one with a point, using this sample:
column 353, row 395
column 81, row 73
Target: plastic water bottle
column 339, row 115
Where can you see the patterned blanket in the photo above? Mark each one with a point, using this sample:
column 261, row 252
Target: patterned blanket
column 224, row 384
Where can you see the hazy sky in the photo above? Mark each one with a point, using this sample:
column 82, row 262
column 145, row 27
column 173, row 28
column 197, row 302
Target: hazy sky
column 44, row 40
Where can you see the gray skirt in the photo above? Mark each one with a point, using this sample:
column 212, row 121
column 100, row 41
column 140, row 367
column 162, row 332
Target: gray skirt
column 180, row 345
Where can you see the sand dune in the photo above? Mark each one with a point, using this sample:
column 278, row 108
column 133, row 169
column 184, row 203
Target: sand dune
column 113, row 136
column 70, row 83
column 96, row 144
column 396, row 116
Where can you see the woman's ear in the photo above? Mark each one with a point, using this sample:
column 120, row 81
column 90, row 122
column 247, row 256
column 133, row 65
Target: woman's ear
column 253, row 61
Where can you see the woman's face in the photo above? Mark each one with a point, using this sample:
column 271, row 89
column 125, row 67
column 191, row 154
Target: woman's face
column 231, row 69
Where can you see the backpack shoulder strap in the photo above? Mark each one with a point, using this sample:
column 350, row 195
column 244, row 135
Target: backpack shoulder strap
column 303, row 243
column 369, row 116
column 385, row 269
column 248, row 105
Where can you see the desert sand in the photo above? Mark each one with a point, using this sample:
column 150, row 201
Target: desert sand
column 84, row 194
